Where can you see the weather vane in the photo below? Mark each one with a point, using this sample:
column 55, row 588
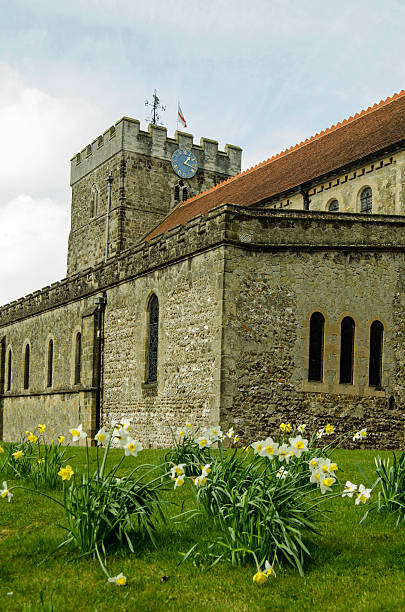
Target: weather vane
column 155, row 106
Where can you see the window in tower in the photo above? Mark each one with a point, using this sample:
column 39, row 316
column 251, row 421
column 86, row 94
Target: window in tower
column 78, row 358
column 316, row 333
column 376, row 348
column 50, row 364
column 346, row 350
column 27, row 367
column 9, row 366
column 152, row 339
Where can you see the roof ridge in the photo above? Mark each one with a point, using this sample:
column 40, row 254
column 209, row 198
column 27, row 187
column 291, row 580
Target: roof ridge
column 301, row 144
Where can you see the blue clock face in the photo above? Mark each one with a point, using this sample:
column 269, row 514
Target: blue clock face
column 184, row 163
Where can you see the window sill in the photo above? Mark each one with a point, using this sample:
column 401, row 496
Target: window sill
column 149, row 389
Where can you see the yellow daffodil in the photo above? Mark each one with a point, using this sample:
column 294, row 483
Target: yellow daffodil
column 1, row 449
column 260, row 578
column 329, row 429
column 41, row 461
column 61, row 439
column 41, row 428
column 119, row 580
column 32, row 438
column 18, row 454
column 283, row 426
column 66, row 473
column 288, row 427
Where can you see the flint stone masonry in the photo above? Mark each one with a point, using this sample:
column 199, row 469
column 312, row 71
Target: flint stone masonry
column 236, row 290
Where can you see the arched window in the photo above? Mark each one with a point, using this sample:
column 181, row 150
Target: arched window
column 376, row 346
column 333, row 206
column 50, row 364
column 316, row 332
column 346, row 350
column 366, row 201
column 152, row 342
column 9, row 366
column 78, row 358
column 27, row 367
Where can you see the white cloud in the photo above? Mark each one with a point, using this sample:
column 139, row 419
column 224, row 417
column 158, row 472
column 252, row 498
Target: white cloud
column 40, row 133
column 33, row 239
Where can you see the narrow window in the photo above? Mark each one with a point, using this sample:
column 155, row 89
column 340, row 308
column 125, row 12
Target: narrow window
column 9, row 365
column 177, row 193
column 184, row 194
column 316, row 332
column 346, row 350
column 376, row 346
column 334, row 206
column 50, row 364
column 366, row 201
column 153, row 332
column 78, row 358
column 27, row 367
column 93, row 201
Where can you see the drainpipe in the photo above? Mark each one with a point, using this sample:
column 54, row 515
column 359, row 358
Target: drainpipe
column 100, row 301
column 305, row 197
column 107, row 227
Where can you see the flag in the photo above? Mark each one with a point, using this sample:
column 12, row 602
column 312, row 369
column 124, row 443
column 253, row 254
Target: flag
column 180, row 116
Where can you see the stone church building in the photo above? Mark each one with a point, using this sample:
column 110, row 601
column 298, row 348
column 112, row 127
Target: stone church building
column 196, row 291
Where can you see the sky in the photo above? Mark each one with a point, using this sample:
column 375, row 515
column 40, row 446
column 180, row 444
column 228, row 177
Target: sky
column 263, row 75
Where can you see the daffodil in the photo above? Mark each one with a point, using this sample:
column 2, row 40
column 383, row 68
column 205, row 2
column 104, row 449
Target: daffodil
column 298, row 445
column 61, row 439
column 350, row 488
column 329, row 429
column 66, row 472
column 181, row 432
column 326, row 484
column 125, row 423
column 215, row 433
column 132, row 447
column 301, row 428
column 260, row 578
column 41, row 428
column 177, row 470
column 206, row 469
column 119, row 580
column 316, row 476
column 360, row 434
column 314, row 463
column 258, row 446
column 333, row 467
column 270, row 449
column 101, row 436
column 41, row 461
column 284, row 453
column 230, row 433
column 282, row 473
column 199, row 481
column 363, row 494
column 5, row 492
column 269, row 570
column 1, row 449
column 283, row 426
column 204, row 442
column 320, row 433
column 32, row 438
column 18, row 454
column 179, row 481
column 78, row 433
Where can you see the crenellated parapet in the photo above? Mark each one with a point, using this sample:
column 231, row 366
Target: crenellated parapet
column 228, row 224
column 126, row 135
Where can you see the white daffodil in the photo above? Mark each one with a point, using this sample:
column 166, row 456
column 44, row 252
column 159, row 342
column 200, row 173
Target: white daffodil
column 326, row 484
column 270, row 449
column 101, row 436
column 350, row 488
column 78, row 433
column 132, row 447
column 204, row 442
column 268, row 569
column 125, row 424
column 199, row 481
column 284, row 453
column 119, row 580
column 282, row 473
column 359, row 435
column 122, row 437
column 177, row 470
column 5, row 492
column 298, row 445
column 182, row 432
column 215, row 433
column 314, row 464
column 179, row 481
column 230, row 433
column 301, row 428
column 258, row 446
column 363, row 494
column 320, row 433
column 206, row 470
column 316, row 476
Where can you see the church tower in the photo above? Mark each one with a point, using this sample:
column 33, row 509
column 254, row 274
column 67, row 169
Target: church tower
column 151, row 174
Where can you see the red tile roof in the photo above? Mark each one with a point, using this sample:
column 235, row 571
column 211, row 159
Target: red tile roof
column 370, row 131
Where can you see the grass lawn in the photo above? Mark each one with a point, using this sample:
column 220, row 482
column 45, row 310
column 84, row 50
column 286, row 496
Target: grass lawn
column 352, row 567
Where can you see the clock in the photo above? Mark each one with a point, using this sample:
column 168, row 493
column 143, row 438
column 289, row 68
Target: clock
column 184, row 163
